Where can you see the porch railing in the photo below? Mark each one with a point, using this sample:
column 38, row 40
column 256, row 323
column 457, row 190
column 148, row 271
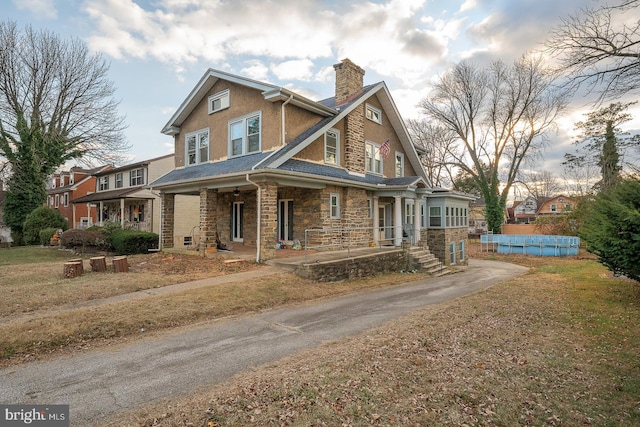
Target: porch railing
column 347, row 237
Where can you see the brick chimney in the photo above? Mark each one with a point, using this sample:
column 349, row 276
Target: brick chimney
column 349, row 79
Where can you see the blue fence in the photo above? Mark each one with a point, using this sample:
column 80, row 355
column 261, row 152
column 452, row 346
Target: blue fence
column 531, row 244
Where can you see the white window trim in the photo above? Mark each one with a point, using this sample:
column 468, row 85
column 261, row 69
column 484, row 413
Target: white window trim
column 395, row 166
column 65, row 198
column 376, row 155
column 198, row 160
column 57, row 200
column 131, row 184
column 374, row 114
column 71, row 180
column 434, row 216
column 337, row 157
column 220, row 95
column 334, row 202
column 101, row 180
column 245, row 139
column 115, row 179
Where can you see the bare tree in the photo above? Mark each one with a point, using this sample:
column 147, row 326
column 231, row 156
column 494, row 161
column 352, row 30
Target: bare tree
column 499, row 115
column 541, row 184
column 435, row 145
column 55, row 105
column 599, row 47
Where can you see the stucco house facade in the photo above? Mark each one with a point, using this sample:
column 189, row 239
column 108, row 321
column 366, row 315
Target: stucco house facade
column 269, row 165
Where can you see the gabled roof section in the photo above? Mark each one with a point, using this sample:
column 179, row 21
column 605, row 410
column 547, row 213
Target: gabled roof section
column 270, row 92
column 310, row 135
column 110, row 195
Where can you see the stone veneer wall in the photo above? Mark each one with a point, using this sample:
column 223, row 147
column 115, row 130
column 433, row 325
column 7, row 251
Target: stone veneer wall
column 168, row 210
column 208, row 219
column 249, row 230
column 268, row 220
column 354, row 153
column 438, row 240
column 351, row 268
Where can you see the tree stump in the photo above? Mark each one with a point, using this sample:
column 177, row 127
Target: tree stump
column 79, row 260
column 72, row 269
column 120, row 264
column 98, row 264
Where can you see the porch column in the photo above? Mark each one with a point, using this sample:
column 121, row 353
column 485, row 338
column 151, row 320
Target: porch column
column 376, row 221
column 167, row 221
column 208, row 219
column 397, row 221
column 267, row 220
column 416, row 221
column 99, row 214
column 122, row 213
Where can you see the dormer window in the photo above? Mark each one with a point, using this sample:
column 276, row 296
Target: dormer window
column 332, row 147
column 71, row 180
column 373, row 114
column 219, row 101
column 197, row 147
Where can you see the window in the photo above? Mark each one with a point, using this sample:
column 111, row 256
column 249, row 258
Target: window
column 103, row 183
column 219, row 101
column 119, row 182
column 435, row 216
column 423, row 214
column 370, row 207
column 399, row 165
column 452, row 252
column 334, row 205
column 71, row 179
column 373, row 159
column 409, row 212
column 245, row 135
column 65, row 197
column 373, row 114
column 53, row 182
column 57, row 200
column 136, row 177
column 461, row 250
column 187, row 240
column 197, row 146
column 554, row 207
column 332, row 147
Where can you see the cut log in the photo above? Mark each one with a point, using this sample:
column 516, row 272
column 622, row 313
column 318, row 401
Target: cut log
column 72, row 269
column 98, row 264
column 81, row 264
column 120, row 264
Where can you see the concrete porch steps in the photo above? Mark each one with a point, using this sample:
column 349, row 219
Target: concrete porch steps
column 424, row 260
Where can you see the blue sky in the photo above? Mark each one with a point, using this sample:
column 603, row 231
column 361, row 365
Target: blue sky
column 159, row 49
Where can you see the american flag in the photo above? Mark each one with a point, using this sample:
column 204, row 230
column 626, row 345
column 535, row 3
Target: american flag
column 385, row 149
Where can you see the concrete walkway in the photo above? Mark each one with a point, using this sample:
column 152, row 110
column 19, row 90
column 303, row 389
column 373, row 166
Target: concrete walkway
column 102, row 383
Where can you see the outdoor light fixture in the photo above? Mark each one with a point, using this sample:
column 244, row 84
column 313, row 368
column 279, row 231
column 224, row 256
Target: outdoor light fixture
column 236, row 192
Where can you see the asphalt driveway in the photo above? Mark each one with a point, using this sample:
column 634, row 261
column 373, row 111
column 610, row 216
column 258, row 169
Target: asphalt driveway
column 101, row 383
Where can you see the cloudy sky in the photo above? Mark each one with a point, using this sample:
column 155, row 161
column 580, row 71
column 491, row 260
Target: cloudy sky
column 159, row 49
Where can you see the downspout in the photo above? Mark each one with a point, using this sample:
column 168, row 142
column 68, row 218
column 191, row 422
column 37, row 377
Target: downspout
column 259, row 220
column 282, row 115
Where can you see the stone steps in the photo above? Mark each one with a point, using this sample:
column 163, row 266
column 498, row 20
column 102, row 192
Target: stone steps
column 425, row 261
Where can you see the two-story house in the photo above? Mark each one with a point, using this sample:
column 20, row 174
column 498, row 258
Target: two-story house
column 67, row 186
column 121, row 195
column 558, row 205
column 271, row 165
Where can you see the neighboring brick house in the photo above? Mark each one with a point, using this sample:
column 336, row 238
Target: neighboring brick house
column 122, row 195
column 67, row 186
column 270, row 165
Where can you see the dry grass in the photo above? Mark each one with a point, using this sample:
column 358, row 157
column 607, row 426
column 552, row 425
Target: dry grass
column 559, row 346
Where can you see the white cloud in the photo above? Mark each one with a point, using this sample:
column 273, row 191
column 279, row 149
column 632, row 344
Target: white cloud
column 42, row 9
column 468, row 5
column 299, row 69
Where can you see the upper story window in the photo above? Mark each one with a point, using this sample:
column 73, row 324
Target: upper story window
column 119, row 181
column 65, row 198
column 219, row 101
column 399, row 165
column 57, row 200
column 332, row 147
column 53, row 182
column 136, row 177
column 197, row 146
column 103, row 183
column 373, row 158
column 245, row 135
column 373, row 114
column 71, row 178
column 554, row 207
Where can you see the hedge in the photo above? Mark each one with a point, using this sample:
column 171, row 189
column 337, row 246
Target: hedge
column 129, row 242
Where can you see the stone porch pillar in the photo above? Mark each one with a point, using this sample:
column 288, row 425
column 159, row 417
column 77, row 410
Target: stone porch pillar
column 168, row 217
column 268, row 220
column 397, row 221
column 208, row 220
column 376, row 221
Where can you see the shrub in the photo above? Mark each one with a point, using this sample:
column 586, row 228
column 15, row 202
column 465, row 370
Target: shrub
column 94, row 237
column 128, row 242
column 46, row 234
column 39, row 219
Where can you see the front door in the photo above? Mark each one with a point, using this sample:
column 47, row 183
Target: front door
column 237, row 222
column 285, row 220
column 382, row 222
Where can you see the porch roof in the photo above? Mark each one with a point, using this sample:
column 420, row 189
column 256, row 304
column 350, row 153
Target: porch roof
column 111, row 195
